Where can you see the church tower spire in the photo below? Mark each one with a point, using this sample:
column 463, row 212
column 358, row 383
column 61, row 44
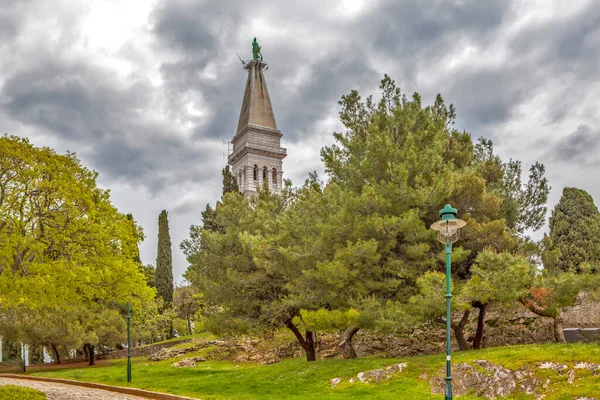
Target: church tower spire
column 257, row 156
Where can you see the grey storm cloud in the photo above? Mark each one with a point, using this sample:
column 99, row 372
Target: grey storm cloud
column 207, row 34
column 322, row 58
column 564, row 49
column 158, row 127
column 580, row 147
column 80, row 103
column 415, row 29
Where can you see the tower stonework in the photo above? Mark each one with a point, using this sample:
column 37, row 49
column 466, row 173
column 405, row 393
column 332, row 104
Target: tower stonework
column 257, row 155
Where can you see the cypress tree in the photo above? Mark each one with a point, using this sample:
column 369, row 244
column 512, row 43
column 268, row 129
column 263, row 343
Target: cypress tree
column 134, row 232
column 138, row 234
column 229, row 181
column 164, row 261
column 575, row 230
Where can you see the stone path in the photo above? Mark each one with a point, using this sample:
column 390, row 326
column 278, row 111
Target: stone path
column 60, row 391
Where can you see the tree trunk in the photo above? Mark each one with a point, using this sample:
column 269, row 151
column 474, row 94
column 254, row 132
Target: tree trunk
column 55, row 354
column 307, row 343
column 559, row 336
column 345, row 343
column 189, row 324
column 91, row 355
column 310, row 346
column 459, row 331
column 478, row 341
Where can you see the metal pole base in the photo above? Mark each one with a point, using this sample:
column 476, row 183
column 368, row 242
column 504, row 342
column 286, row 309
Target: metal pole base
column 448, row 392
column 128, row 369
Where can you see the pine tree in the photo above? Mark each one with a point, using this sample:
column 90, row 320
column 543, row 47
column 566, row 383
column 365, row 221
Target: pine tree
column 229, row 181
column 574, row 231
column 209, row 217
column 164, row 261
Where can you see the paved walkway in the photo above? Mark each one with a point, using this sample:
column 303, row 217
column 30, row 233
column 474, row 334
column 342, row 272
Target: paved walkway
column 60, row 391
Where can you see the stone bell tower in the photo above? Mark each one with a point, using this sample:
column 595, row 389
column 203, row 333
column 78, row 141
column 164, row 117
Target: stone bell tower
column 257, row 155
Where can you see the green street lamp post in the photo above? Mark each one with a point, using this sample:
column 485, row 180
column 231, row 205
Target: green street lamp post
column 128, row 342
column 448, row 232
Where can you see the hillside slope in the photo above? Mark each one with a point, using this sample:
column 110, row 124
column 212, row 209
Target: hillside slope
column 547, row 371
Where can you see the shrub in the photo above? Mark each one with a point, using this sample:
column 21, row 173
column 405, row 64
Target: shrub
column 10, row 392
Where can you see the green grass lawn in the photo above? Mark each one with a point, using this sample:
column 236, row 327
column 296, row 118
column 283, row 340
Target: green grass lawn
column 298, row 379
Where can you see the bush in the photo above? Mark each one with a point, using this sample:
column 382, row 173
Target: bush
column 10, row 392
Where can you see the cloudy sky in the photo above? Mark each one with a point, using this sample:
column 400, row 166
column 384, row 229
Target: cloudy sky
column 145, row 92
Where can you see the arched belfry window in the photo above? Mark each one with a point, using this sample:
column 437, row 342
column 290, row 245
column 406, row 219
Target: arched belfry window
column 265, row 174
column 255, row 172
column 274, row 178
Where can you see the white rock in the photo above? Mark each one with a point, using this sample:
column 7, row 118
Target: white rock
column 554, row 366
column 361, row 377
column 571, row 376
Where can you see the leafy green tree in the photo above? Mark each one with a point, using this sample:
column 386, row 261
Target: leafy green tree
column 61, row 240
column 574, row 236
column 66, row 327
column 229, row 182
column 523, row 204
column 500, row 278
column 149, row 272
column 399, row 162
column 496, row 278
column 164, row 261
column 387, row 170
column 58, row 328
column 187, row 302
column 361, row 242
column 152, row 321
column 244, row 289
column 209, row 218
column 553, row 291
column 136, row 231
column 103, row 327
column 570, row 255
column 429, row 304
column 66, row 254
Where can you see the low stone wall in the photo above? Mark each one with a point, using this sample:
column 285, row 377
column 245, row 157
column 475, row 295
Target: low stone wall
column 512, row 325
column 586, row 314
column 505, row 325
column 140, row 351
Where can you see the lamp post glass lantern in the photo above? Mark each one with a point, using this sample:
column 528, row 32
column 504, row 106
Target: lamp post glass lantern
column 448, row 230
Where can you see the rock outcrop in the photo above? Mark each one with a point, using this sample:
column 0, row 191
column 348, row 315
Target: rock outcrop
column 492, row 381
column 375, row 375
column 188, row 362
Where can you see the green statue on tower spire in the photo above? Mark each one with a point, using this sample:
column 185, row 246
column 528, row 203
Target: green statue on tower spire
column 256, row 54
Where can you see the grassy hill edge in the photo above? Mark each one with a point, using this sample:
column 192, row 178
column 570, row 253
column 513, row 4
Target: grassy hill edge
column 298, row 379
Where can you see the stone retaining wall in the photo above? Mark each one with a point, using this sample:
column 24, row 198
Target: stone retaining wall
column 586, row 314
column 140, row 351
